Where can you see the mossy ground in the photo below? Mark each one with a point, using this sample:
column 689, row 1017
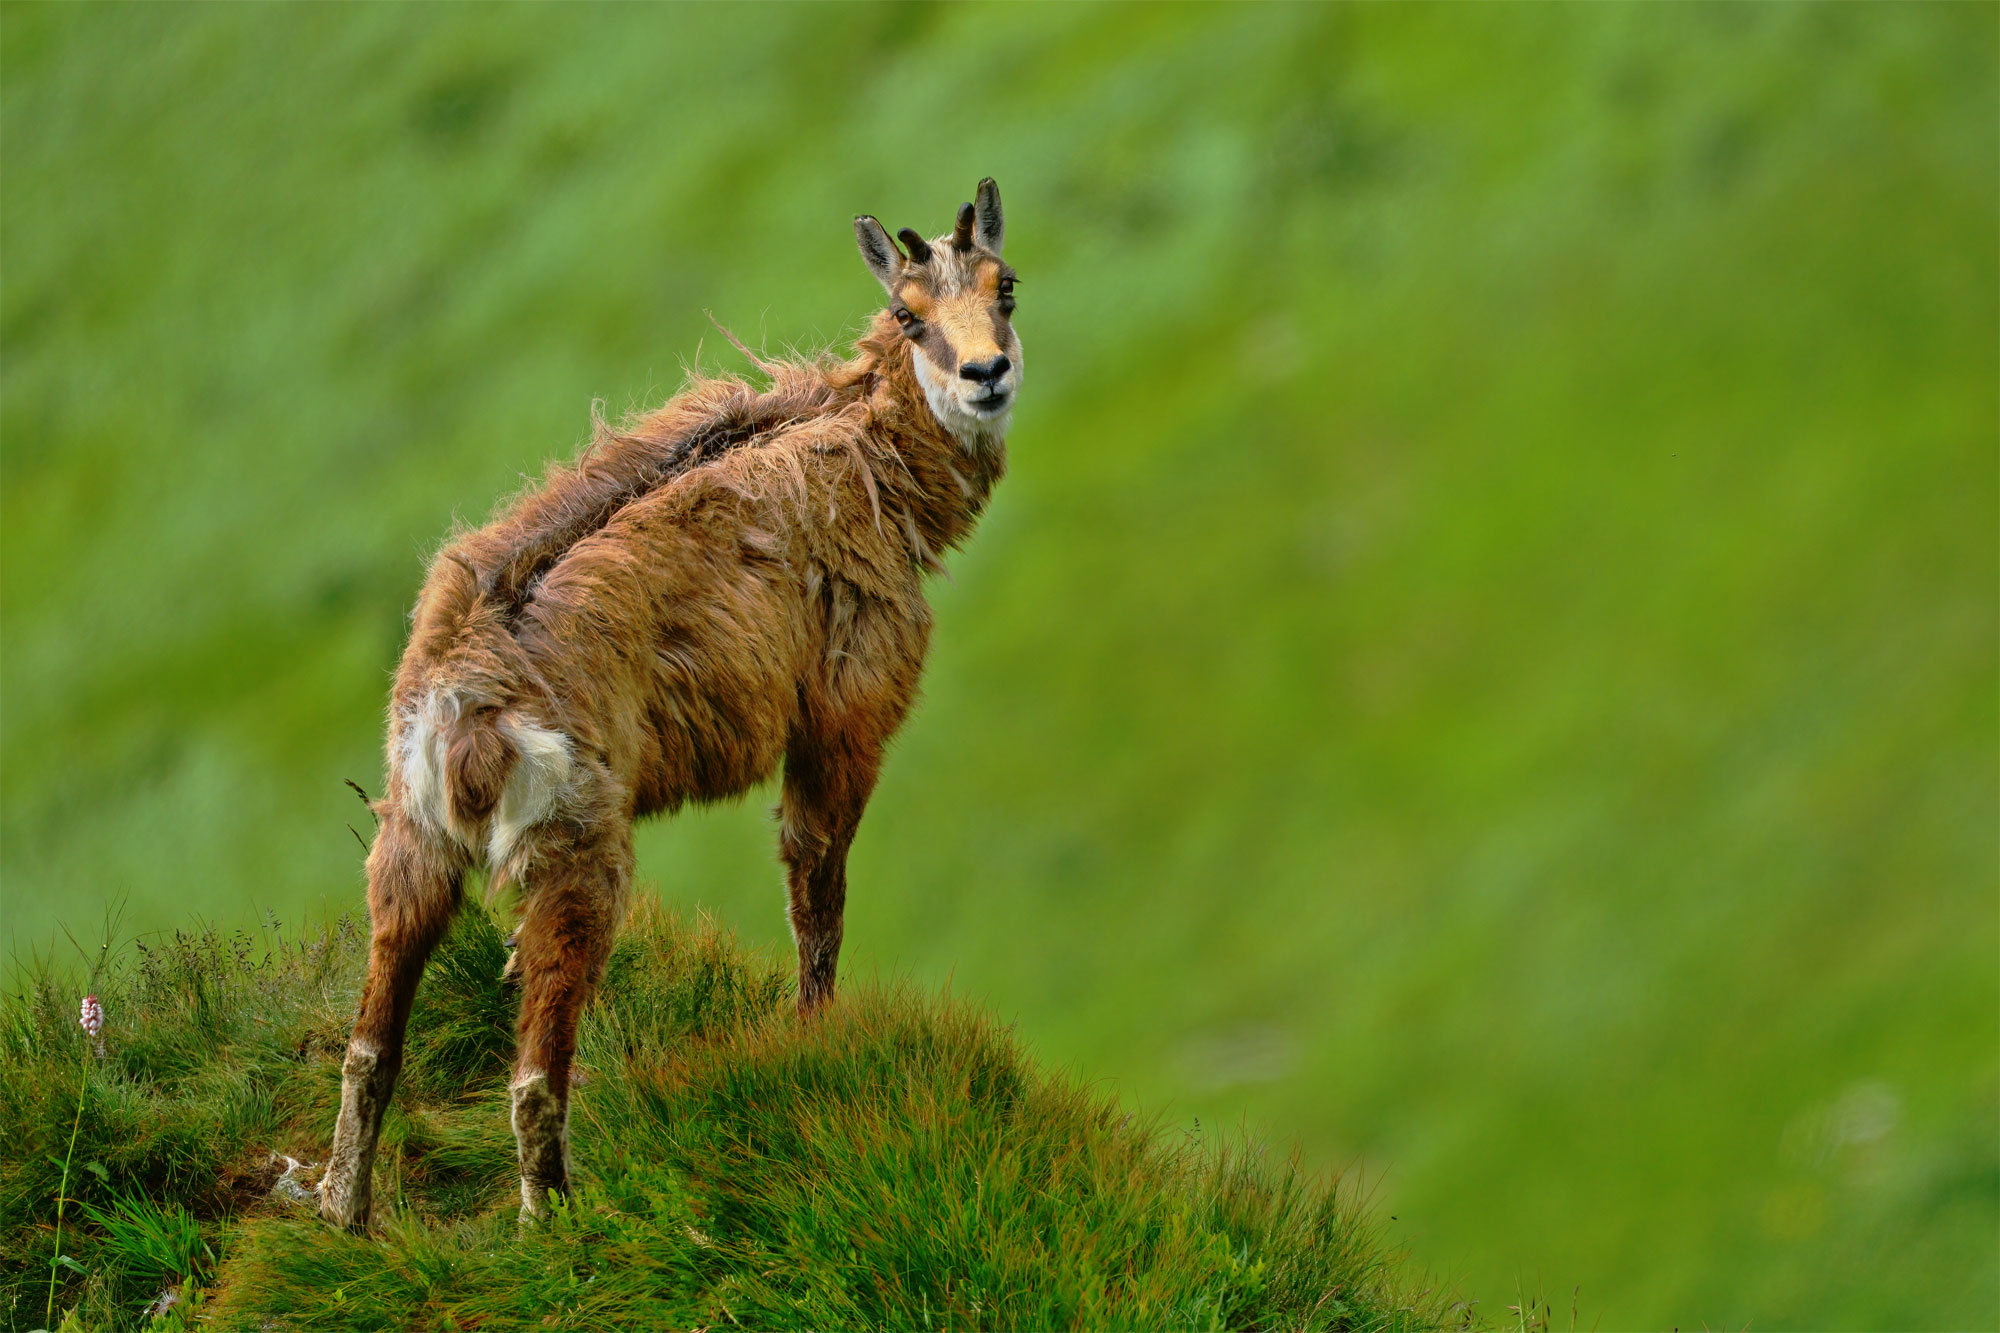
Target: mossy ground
column 899, row 1164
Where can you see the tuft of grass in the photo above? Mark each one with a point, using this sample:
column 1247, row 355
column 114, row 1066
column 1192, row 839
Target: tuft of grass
column 148, row 1244
column 900, row 1162
column 462, row 1025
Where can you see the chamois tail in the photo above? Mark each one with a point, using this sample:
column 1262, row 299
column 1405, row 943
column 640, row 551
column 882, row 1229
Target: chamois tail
column 476, row 765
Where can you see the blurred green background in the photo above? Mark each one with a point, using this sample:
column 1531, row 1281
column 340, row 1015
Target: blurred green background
column 1485, row 664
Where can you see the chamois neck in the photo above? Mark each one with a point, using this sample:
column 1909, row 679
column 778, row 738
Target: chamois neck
column 947, row 477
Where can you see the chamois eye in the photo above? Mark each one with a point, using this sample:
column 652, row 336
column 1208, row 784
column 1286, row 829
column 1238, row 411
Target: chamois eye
column 1006, row 289
column 906, row 319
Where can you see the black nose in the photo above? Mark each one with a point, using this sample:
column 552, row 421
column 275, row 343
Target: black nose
column 980, row 372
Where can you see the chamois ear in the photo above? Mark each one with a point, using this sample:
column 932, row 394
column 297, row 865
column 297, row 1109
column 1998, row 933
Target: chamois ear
column 884, row 260
column 990, row 227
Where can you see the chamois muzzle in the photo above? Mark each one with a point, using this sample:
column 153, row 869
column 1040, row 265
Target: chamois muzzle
column 985, row 372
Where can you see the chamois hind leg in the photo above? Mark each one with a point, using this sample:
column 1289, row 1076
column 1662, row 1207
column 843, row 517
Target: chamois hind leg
column 828, row 779
column 413, row 890
column 574, row 894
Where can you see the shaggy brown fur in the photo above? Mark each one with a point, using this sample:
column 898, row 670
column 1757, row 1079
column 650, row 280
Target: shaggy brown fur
column 730, row 581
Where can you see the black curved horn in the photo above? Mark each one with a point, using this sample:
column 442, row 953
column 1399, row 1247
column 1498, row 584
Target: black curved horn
column 919, row 248
column 961, row 235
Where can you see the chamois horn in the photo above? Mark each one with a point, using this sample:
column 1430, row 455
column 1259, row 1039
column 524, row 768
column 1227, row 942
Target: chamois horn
column 961, row 235
column 919, row 248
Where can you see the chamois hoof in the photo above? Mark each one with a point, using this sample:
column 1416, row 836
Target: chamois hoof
column 345, row 1200
column 535, row 1201
column 341, row 1215
column 813, row 1004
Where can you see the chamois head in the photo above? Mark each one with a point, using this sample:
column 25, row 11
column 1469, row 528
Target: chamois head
column 953, row 296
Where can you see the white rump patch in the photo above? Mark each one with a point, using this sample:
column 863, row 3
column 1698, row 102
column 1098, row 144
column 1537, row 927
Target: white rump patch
column 539, row 782
column 422, row 743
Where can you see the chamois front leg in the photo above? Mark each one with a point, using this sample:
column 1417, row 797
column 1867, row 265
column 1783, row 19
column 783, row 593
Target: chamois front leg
column 575, row 896
column 828, row 780
column 413, row 890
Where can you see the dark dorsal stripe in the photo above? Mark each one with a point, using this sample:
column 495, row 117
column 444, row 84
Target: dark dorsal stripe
column 637, row 466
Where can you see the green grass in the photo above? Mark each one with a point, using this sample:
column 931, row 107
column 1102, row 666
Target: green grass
column 1486, row 662
column 901, row 1164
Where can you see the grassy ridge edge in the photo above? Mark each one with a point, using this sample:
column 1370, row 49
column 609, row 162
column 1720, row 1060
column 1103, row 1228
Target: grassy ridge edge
column 901, row 1163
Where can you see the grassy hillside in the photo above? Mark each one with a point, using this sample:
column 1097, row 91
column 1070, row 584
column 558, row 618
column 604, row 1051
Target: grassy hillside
column 900, row 1164
column 1485, row 662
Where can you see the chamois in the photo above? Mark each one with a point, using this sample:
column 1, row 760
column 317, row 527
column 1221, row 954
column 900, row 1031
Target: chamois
column 730, row 580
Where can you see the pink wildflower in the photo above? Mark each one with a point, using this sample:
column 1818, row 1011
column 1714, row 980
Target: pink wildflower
column 92, row 1019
